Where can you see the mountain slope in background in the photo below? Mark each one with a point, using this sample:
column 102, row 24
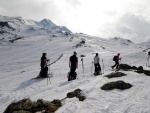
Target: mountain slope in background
column 146, row 46
column 17, row 27
column 21, row 62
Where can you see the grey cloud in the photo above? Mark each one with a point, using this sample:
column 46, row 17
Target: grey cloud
column 31, row 9
column 130, row 23
column 129, row 26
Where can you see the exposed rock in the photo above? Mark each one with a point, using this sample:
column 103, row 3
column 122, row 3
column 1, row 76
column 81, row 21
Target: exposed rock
column 27, row 106
column 125, row 66
column 41, row 106
column 116, row 85
column 76, row 93
column 134, row 67
column 16, row 38
column 117, row 74
column 140, row 68
column 5, row 24
column 57, row 102
column 146, row 72
column 80, row 43
column 21, row 111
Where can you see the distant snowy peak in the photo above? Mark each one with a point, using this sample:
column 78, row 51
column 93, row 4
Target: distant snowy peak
column 12, row 27
column 47, row 23
column 146, row 44
column 25, row 23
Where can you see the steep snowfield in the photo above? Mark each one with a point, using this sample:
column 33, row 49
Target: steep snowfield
column 20, row 62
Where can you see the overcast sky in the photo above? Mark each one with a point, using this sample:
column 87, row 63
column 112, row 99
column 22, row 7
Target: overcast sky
column 128, row 19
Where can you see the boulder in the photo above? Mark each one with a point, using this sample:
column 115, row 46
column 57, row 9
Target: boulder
column 57, row 102
column 76, row 93
column 125, row 66
column 140, row 68
column 146, row 72
column 116, row 85
column 134, row 67
column 117, row 74
column 27, row 106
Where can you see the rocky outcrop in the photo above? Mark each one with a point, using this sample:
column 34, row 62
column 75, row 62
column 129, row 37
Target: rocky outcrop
column 116, row 85
column 5, row 24
column 139, row 69
column 28, row 106
column 41, row 106
column 117, row 74
column 76, row 93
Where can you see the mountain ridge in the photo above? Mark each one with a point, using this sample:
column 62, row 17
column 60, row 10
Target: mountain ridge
column 12, row 27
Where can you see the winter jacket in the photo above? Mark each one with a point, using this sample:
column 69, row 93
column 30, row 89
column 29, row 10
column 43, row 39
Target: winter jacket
column 96, row 60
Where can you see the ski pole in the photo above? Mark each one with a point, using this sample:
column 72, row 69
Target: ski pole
column 48, row 76
column 82, row 65
column 91, row 68
column 119, row 64
column 148, row 61
column 103, row 66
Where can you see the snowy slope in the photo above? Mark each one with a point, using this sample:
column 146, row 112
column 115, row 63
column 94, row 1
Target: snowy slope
column 146, row 46
column 21, row 62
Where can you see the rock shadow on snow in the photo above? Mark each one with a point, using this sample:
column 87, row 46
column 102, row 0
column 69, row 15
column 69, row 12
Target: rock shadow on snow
column 27, row 83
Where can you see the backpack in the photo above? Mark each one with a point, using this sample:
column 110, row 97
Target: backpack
column 114, row 58
column 149, row 53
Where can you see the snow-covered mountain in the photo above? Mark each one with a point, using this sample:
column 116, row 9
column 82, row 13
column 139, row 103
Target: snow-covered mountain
column 17, row 27
column 20, row 62
column 145, row 45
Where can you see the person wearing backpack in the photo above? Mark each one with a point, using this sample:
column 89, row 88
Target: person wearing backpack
column 73, row 64
column 116, row 59
column 44, row 68
column 97, row 65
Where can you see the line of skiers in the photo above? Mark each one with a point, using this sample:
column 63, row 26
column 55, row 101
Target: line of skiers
column 73, row 65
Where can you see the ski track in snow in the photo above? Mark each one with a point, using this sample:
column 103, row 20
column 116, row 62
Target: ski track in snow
column 21, row 63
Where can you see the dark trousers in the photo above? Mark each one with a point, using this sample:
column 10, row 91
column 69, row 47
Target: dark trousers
column 72, row 74
column 44, row 71
column 116, row 64
column 72, row 70
column 97, row 67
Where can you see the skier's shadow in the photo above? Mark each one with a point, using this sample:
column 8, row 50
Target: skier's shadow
column 64, row 83
column 27, row 83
